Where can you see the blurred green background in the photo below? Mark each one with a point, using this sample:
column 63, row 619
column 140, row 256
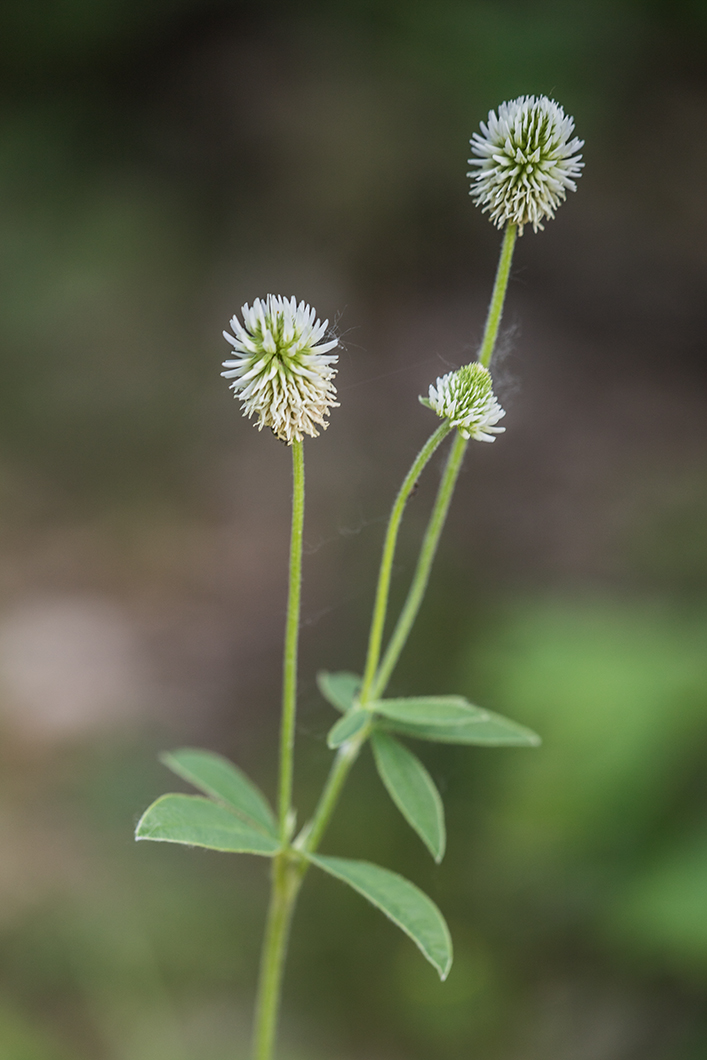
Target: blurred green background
column 162, row 162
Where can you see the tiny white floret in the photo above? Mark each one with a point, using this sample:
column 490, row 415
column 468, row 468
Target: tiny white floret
column 527, row 161
column 467, row 400
column 282, row 371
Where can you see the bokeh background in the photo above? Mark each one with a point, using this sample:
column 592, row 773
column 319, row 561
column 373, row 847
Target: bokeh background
column 163, row 161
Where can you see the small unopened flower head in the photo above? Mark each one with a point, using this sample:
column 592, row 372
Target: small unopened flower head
column 467, row 400
column 527, row 160
column 281, row 370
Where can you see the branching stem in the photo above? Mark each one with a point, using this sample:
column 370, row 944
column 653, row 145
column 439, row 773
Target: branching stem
column 289, row 867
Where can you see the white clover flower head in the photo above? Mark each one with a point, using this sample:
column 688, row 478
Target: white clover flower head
column 526, row 162
column 467, row 400
column 282, row 371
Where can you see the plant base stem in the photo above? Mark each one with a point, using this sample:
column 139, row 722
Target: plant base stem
column 283, row 896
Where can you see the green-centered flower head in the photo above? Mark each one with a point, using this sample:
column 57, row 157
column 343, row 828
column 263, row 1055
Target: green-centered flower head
column 467, row 400
column 282, row 370
column 526, row 162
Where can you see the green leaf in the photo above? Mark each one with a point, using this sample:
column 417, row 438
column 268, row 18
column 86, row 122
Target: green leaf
column 221, row 780
column 339, row 689
column 427, row 710
column 199, row 822
column 490, row 730
column 348, row 726
column 413, row 791
column 401, row 901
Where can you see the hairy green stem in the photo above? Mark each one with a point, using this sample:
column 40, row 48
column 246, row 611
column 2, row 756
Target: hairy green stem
column 286, row 882
column 381, row 602
column 289, row 680
column 495, row 310
column 421, row 576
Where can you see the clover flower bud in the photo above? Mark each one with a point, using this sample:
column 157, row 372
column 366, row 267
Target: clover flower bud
column 467, row 400
column 526, row 162
column 282, row 370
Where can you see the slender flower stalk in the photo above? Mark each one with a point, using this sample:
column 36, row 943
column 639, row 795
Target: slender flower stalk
column 376, row 678
column 498, row 297
column 448, row 483
column 383, row 589
column 425, row 560
column 285, row 882
column 289, row 682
